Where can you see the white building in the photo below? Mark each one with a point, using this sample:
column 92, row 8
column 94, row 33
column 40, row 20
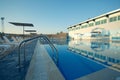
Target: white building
column 106, row 26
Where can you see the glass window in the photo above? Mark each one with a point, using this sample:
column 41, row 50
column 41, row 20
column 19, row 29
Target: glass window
column 103, row 21
column 77, row 28
column 70, row 29
column 97, row 23
column 82, row 26
column 119, row 17
column 74, row 28
column 91, row 24
column 85, row 26
column 112, row 19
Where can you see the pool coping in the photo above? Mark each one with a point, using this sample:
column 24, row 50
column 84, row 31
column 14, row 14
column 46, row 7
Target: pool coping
column 104, row 74
column 42, row 66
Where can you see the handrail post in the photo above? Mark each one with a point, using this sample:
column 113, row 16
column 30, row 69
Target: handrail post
column 24, row 52
column 53, row 48
column 19, row 58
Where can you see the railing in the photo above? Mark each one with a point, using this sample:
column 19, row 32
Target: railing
column 53, row 49
column 37, row 37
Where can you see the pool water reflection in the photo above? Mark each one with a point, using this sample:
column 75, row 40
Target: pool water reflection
column 105, row 52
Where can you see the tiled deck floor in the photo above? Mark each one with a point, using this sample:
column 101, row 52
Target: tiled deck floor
column 104, row 74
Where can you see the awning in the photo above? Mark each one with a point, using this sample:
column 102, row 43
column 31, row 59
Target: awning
column 22, row 24
column 30, row 30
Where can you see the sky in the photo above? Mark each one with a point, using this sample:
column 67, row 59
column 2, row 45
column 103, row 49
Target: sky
column 51, row 16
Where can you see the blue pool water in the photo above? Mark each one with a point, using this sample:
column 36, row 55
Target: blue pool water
column 73, row 65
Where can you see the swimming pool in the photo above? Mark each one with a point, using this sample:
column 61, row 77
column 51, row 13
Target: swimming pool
column 73, row 65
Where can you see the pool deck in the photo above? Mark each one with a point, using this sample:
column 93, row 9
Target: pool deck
column 42, row 66
column 104, row 74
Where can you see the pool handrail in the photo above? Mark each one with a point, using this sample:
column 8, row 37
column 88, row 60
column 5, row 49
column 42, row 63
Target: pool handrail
column 53, row 48
column 27, row 40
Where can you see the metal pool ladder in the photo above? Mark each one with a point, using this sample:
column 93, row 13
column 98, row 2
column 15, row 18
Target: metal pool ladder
column 23, row 43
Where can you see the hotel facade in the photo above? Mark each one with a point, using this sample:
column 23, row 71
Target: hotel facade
column 106, row 26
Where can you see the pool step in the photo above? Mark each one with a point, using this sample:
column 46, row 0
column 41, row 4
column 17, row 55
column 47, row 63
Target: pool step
column 42, row 67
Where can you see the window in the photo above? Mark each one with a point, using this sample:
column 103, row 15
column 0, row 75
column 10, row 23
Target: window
column 84, row 26
column 77, row 28
column 91, row 24
column 112, row 19
column 103, row 21
column 97, row 23
column 119, row 17
column 115, row 19
column 73, row 29
column 70, row 29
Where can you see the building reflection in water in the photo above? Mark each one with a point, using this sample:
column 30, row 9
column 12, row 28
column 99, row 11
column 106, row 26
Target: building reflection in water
column 107, row 53
column 99, row 45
